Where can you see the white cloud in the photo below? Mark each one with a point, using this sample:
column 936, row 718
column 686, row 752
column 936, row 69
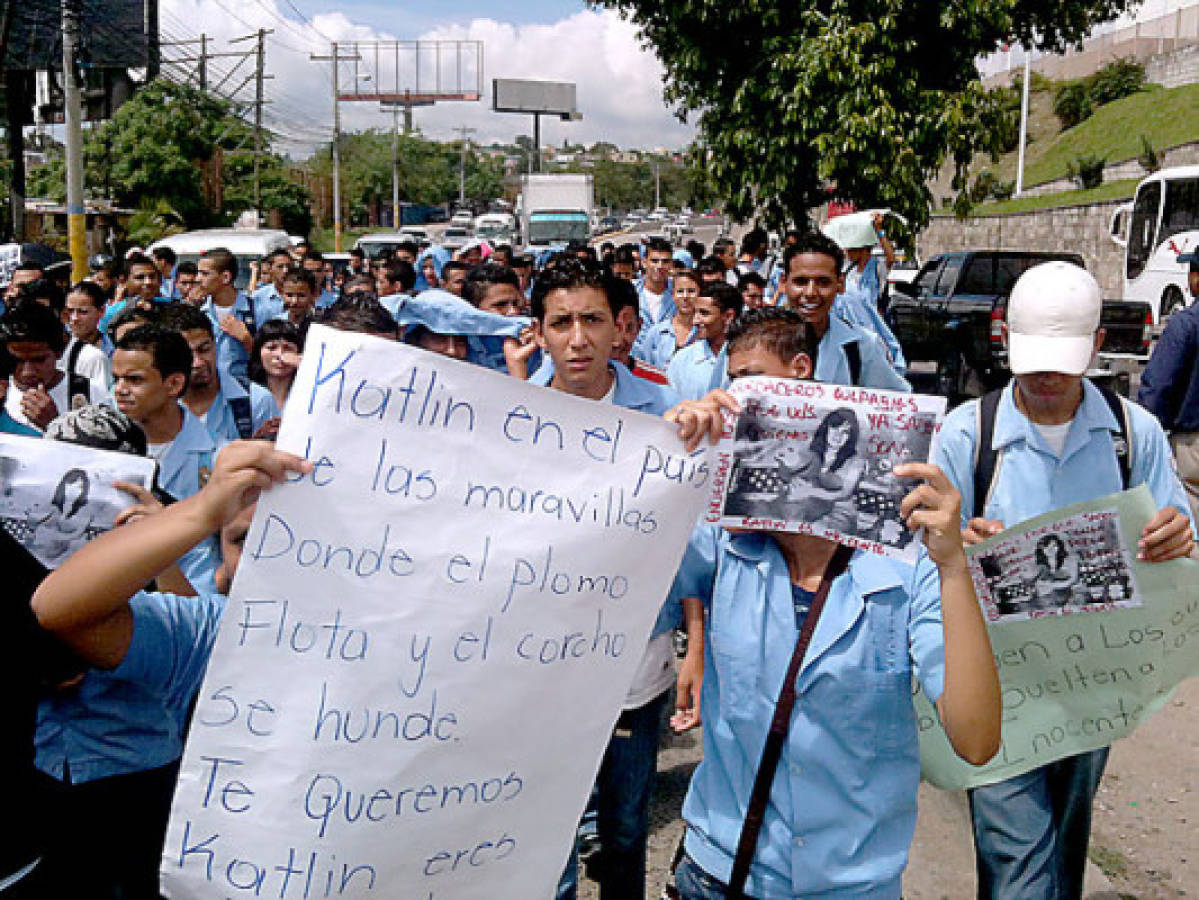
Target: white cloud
column 619, row 82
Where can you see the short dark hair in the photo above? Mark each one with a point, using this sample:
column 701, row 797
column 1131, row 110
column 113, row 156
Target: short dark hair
column 29, row 266
column 754, row 240
column 30, row 321
column 814, row 242
column 569, row 273
column 724, row 295
column 621, row 295
column 183, row 317
column 134, row 313
column 695, row 248
column 409, row 247
column 165, row 254
column 777, row 330
column 315, row 254
column 361, row 313
column 354, row 251
column 94, row 292
column 401, row 272
column 187, row 267
column 357, row 281
column 166, row 347
column 223, row 260
column 454, row 265
column 720, row 245
column 689, row 275
column 659, row 245
column 282, row 251
column 710, row 265
column 274, row 330
column 43, row 289
column 750, row 278
column 302, row 276
column 139, row 259
column 624, row 255
column 482, row 276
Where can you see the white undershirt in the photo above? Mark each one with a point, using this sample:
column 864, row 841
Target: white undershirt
column 653, row 302
column 1054, row 435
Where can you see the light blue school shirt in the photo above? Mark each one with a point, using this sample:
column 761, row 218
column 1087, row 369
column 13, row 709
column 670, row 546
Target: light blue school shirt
column 1030, row 479
column 842, row 807
column 658, row 344
column 832, row 365
column 857, row 308
column 183, row 469
column 132, row 718
column 220, row 419
column 695, row 370
column 231, row 356
column 267, row 297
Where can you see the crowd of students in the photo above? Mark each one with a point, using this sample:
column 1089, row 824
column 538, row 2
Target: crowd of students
column 172, row 360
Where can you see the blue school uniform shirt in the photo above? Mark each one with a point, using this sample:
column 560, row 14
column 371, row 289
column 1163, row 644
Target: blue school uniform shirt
column 183, row 468
column 842, row 807
column 231, row 356
column 221, row 419
column 857, row 308
column 832, row 365
column 658, row 344
column 132, row 718
column 267, row 297
column 695, row 370
column 665, row 313
column 1031, row 479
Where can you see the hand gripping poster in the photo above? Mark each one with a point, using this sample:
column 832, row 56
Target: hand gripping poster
column 430, row 635
column 817, row 459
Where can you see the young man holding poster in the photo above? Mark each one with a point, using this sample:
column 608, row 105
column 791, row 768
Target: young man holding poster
column 1058, row 443
column 575, row 324
column 838, row 813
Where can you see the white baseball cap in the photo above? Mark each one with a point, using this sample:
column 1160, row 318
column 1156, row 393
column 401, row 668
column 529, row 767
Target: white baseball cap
column 1052, row 317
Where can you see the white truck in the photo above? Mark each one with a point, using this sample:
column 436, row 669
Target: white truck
column 1160, row 224
column 555, row 209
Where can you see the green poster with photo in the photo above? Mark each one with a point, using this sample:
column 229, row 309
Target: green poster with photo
column 1088, row 641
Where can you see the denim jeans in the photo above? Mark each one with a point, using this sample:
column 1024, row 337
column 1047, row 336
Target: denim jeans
column 1031, row 831
column 695, row 883
column 624, row 785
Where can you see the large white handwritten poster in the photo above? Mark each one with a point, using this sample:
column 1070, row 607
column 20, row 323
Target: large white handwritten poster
column 430, row 636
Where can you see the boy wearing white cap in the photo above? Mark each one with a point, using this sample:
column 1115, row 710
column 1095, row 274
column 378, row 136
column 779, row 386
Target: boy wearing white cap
column 1054, row 439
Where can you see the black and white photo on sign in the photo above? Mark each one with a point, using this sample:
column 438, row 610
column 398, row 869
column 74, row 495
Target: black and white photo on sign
column 1078, row 564
column 54, row 497
column 825, row 466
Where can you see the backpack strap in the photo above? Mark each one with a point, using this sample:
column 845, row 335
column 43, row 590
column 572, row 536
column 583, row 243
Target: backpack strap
column 985, row 457
column 247, row 315
column 79, row 388
column 853, row 355
column 242, row 416
column 1122, row 437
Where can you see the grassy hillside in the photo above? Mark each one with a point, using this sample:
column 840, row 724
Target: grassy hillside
column 1168, row 117
column 1115, row 190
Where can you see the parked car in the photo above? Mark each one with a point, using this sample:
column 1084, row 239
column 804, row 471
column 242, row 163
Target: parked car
column 952, row 313
column 608, row 224
column 463, row 217
column 387, row 241
column 455, row 237
column 249, row 245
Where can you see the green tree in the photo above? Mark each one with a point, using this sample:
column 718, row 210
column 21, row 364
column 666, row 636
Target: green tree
column 796, row 100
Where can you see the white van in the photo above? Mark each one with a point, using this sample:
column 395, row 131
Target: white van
column 248, row 244
column 387, row 241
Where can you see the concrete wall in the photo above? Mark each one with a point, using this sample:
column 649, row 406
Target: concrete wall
column 1174, row 69
column 1070, row 229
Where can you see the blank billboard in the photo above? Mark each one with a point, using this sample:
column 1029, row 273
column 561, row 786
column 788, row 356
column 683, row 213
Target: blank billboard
column 519, row 96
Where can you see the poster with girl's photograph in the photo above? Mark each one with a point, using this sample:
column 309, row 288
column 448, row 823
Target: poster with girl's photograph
column 55, row 496
column 817, row 459
column 1076, row 564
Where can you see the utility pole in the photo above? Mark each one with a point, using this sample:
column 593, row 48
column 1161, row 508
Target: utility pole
column 258, row 100
column 203, row 63
column 73, row 109
column 334, row 58
column 396, row 218
column 463, row 132
column 1023, row 122
column 657, row 186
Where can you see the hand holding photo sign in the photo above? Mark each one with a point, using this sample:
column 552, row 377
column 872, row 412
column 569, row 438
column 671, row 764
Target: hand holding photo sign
column 54, row 497
column 430, row 635
column 817, row 459
column 1072, row 683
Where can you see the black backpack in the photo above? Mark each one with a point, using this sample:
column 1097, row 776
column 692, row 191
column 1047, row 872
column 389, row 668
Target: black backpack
column 79, row 387
column 986, row 460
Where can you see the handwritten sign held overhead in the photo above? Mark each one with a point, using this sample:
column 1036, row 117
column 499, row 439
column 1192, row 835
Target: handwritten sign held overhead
column 817, row 459
column 430, row 635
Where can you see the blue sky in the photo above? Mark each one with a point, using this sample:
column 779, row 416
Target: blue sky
column 619, row 83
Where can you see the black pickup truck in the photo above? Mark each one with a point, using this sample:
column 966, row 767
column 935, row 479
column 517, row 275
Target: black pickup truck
column 950, row 314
